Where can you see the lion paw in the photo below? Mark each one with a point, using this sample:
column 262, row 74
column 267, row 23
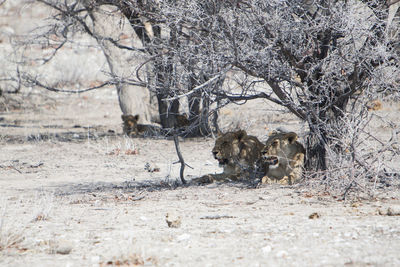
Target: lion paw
column 205, row 179
column 267, row 180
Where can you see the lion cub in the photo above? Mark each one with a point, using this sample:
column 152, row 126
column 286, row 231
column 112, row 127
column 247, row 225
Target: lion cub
column 237, row 153
column 133, row 128
column 284, row 156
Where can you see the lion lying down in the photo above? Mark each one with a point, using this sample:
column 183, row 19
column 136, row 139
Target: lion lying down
column 243, row 156
column 284, row 156
column 132, row 127
column 237, row 153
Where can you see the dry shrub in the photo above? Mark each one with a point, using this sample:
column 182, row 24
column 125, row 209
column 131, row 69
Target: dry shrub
column 362, row 160
column 9, row 238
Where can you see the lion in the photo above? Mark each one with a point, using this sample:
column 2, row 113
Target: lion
column 284, row 156
column 237, row 153
column 133, row 128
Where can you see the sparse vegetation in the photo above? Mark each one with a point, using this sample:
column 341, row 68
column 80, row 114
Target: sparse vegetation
column 76, row 190
column 9, row 236
column 323, row 61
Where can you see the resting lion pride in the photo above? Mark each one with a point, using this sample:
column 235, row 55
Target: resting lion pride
column 243, row 156
column 237, row 153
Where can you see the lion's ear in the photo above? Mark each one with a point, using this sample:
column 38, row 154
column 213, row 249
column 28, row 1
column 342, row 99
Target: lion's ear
column 291, row 137
column 136, row 117
column 241, row 134
column 126, row 117
column 271, row 133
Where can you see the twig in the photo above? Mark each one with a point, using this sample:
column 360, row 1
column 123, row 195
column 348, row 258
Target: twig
column 393, row 2
column 216, row 217
column 12, row 167
column 185, row 164
column 147, row 61
column 182, row 161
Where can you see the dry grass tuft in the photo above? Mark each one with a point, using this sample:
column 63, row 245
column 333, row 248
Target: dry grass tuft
column 9, row 238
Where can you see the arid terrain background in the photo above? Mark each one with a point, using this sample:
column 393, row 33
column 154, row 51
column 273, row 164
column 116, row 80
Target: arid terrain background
column 74, row 191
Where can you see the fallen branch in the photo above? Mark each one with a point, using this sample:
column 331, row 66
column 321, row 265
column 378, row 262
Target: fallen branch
column 216, row 217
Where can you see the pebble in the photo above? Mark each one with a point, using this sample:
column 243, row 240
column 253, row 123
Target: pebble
column 63, row 247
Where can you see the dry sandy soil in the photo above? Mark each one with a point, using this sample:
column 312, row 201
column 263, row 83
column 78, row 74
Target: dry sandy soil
column 75, row 192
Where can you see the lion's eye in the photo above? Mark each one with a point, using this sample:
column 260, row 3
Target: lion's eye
column 275, row 143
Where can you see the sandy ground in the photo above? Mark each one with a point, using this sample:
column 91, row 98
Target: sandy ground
column 75, row 192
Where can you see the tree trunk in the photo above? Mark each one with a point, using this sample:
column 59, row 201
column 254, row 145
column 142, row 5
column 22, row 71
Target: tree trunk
column 132, row 99
column 316, row 149
column 326, row 135
column 198, row 117
column 167, row 111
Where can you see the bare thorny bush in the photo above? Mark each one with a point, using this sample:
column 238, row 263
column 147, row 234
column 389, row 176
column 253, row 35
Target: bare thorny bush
column 361, row 163
column 322, row 60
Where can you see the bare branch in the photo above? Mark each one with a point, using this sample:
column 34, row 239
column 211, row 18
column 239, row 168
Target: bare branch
column 197, row 88
column 34, row 82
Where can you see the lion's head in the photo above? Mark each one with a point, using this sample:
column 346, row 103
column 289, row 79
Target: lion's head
column 281, row 148
column 278, row 147
column 227, row 147
column 130, row 124
column 284, row 156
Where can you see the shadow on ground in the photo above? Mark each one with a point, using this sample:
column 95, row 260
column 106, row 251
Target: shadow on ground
column 129, row 187
column 75, row 134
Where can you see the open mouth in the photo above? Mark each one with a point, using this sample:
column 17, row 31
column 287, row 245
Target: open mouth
column 272, row 160
column 222, row 161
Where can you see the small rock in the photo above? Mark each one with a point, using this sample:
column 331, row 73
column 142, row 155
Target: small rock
column 173, row 221
column 393, row 212
column 314, row 215
column 63, row 247
column 389, row 212
column 151, row 167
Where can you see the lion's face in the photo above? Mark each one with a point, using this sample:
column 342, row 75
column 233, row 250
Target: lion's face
column 280, row 148
column 130, row 124
column 284, row 157
column 227, row 147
